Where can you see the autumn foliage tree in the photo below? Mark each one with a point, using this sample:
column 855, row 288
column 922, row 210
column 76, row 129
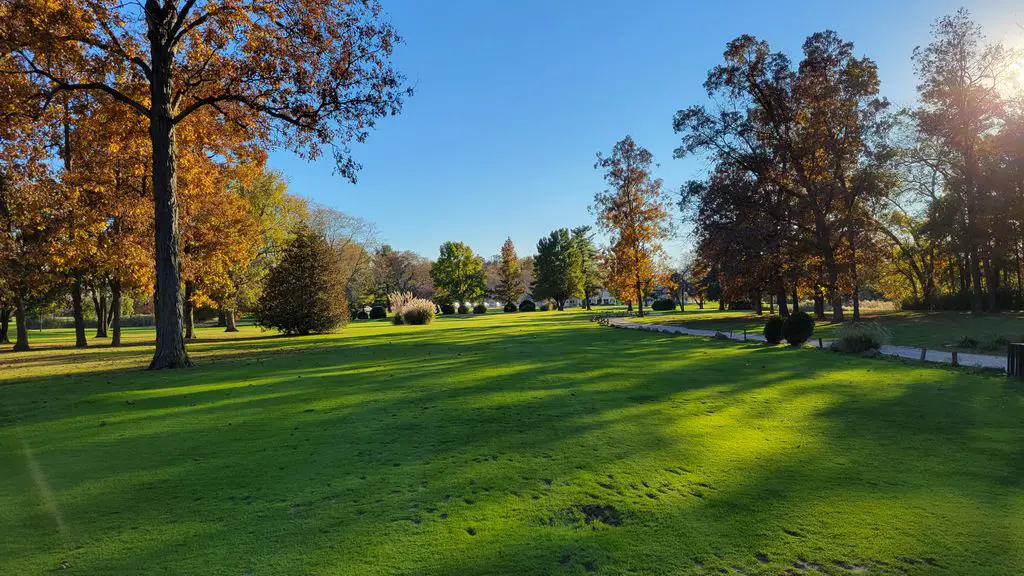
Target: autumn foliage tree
column 305, row 74
column 633, row 212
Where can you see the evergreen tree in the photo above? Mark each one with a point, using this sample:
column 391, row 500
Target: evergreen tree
column 305, row 291
column 556, row 268
column 510, row 282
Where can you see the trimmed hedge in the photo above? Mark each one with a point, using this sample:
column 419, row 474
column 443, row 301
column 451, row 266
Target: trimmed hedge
column 378, row 312
column 510, row 307
column 362, row 315
column 663, row 305
column 798, row 328
column 479, row 309
column 447, row 309
column 463, row 309
column 545, row 307
column 773, row 329
column 527, row 306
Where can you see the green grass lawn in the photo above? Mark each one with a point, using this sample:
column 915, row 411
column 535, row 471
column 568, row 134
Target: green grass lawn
column 936, row 330
column 503, row 444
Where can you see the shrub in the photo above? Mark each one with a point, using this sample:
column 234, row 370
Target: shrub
column 798, row 328
column 859, row 337
column 479, row 309
column 527, row 306
column 418, row 313
column 773, row 330
column 510, row 307
column 362, row 315
column 968, row 342
column 447, row 309
column 378, row 312
column 545, row 307
column 663, row 305
column 463, row 309
column 741, row 305
column 411, row 310
column 305, row 291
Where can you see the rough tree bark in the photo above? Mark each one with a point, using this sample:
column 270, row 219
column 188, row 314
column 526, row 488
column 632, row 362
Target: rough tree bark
column 76, row 312
column 796, row 299
column 229, row 321
column 780, row 297
column 170, row 343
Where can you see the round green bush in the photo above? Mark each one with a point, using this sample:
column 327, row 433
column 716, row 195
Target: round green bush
column 479, row 309
column 527, row 306
column 447, row 309
column 378, row 312
column 362, row 315
column 510, row 307
column 798, row 328
column 418, row 315
column 663, row 305
column 773, row 330
column 545, row 307
column 463, row 309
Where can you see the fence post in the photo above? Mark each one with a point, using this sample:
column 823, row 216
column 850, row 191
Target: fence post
column 1015, row 360
column 744, row 334
column 924, row 352
column 955, row 362
column 820, row 344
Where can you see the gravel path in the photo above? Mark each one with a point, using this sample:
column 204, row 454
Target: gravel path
column 934, row 356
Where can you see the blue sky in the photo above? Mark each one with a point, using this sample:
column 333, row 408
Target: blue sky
column 513, row 100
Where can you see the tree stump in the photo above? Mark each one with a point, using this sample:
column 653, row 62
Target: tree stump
column 1015, row 360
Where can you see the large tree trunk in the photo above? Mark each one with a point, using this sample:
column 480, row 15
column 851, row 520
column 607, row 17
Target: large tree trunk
column 682, row 298
column 639, row 300
column 222, row 320
column 76, row 312
column 5, row 324
column 992, row 285
column 796, row 299
column 819, row 304
column 757, row 302
column 21, row 342
column 190, row 321
column 170, row 344
column 100, row 303
column 115, row 308
column 229, row 321
column 831, row 266
column 780, row 297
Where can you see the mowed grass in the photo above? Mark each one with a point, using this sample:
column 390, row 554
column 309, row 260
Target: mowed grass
column 935, row 330
column 480, row 445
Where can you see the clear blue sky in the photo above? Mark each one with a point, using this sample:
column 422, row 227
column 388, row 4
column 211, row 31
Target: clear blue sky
column 513, row 100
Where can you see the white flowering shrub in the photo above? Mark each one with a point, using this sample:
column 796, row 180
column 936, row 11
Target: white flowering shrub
column 409, row 309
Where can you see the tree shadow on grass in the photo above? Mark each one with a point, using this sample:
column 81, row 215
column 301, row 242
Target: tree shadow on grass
column 375, row 454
